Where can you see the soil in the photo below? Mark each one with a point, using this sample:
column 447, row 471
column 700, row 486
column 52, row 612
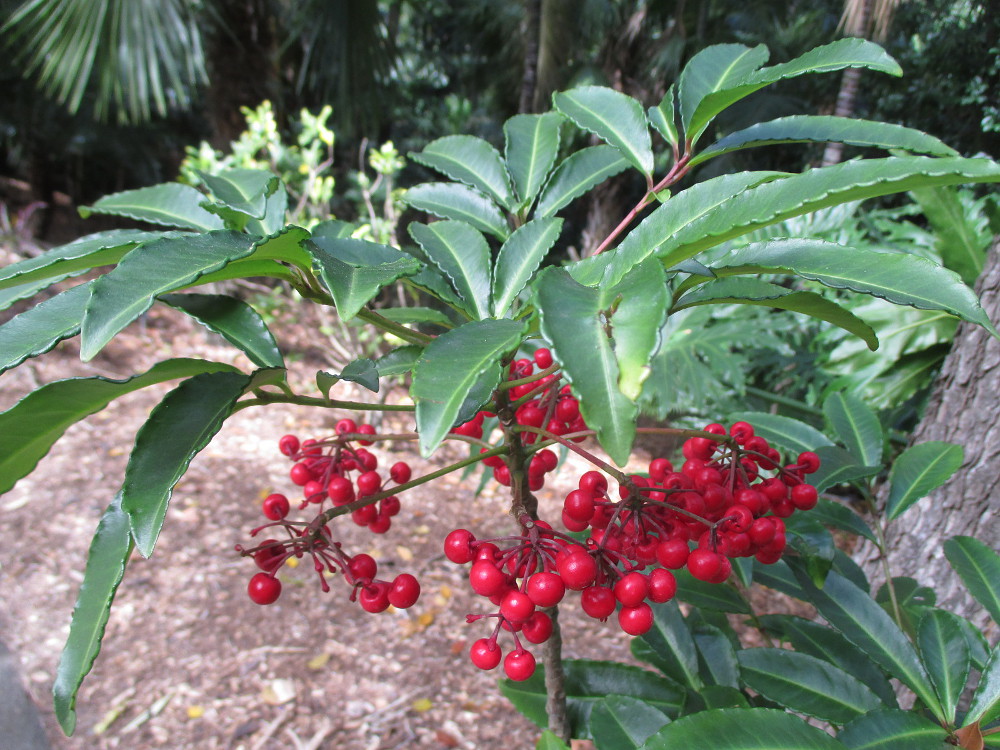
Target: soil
column 187, row 660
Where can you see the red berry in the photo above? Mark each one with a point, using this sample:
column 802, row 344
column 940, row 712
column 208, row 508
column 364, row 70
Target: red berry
column 374, row 598
column 761, row 531
column 598, row 602
column 364, row 516
column 543, row 357
column 545, row 589
column 365, row 429
column 594, row 482
column 537, row 628
column 288, row 445
column 485, row 654
column 804, row 496
column 486, row 579
column 809, row 462
column 578, row 570
column 704, row 564
column 741, row 431
column 345, row 427
column 672, row 553
column 314, row 492
column 579, row 505
column 636, row 620
column 270, row 555
column 341, row 491
column 362, row 566
column 567, row 409
column 389, row 506
column 404, row 592
column 659, row 468
column 264, row 588
column 519, row 665
column 662, row 585
column 517, row 606
column 276, row 506
column 369, row 483
column 631, row 589
column 737, row 518
column 300, row 474
column 381, row 524
column 458, row 546
column 400, row 472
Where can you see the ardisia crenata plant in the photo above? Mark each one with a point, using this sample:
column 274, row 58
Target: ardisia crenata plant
column 516, row 358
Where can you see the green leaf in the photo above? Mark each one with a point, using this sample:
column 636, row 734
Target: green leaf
column 101, row 249
column 170, row 204
column 471, row 160
column 919, row 470
column 716, row 68
column 244, row 190
column 548, row 741
column 808, row 537
column 234, row 320
column 827, row 644
column 416, row 315
column 805, row 684
column 709, row 595
column 456, row 364
column 587, row 683
column 824, row 129
column 109, row 552
column 334, row 229
column 766, row 294
column 572, row 318
column 784, row 432
column 38, row 329
column 275, row 208
column 959, row 240
column 863, row 622
column 30, row 427
column 722, row 696
column 856, row 426
column 663, row 118
column 126, row 292
column 716, row 656
column 285, row 244
column 462, row 255
column 772, row 202
column 683, row 209
column 945, row 654
column 362, row 371
column 900, row 278
column 531, row 147
column 577, row 174
column 450, row 200
column 779, row 576
column 977, row 565
column 519, row 258
column 612, row 116
column 641, row 300
column 839, row 516
column 741, row 729
column 843, row 53
column 669, row 646
column 837, row 466
column 985, row 706
column 893, row 729
column 355, row 271
column 13, row 294
column 624, row 723
column 399, row 361
column 181, row 425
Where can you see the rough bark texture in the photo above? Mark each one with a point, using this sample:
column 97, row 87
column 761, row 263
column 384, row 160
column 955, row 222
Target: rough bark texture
column 963, row 409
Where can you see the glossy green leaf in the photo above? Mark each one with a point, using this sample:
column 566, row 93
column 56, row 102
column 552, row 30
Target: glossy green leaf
column 805, row 684
column 170, row 204
column 416, row 315
column 399, row 361
column 960, row 243
column 979, row 568
column 717, row 660
column 612, row 116
column 531, row 147
column 451, row 200
column 843, row 53
column 663, row 117
column 462, row 255
column 106, row 560
column 919, row 470
column 361, row 371
column 814, row 543
column 945, row 655
column 985, row 705
column 234, row 320
column 669, row 646
column 92, row 251
column 766, row 294
column 249, row 268
column 470, row 160
column 519, row 258
column 452, row 366
column 640, row 301
column 716, row 68
column 741, row 729
column 243, row 190
column 772, row 202
column 177, row 429
column 286, row 244
column 275, row 208
column 577, row 174
column 833, row 513
column 837, row 466
column 334, row 229
column 684, row 208
column 126, row 292
column 824, row 129
column 624, row 723
column 825, row 643
column 856, row 426
column 784, row 432
column 779, row 576
column 900, row 278
column 13, row 294
column 30, row 427
column 712, row 596
column 548, row 741
column 355, row 271
column 572, row 319
column 892, row 729
column 863, row 622
column 38, row 329
column 587, row 683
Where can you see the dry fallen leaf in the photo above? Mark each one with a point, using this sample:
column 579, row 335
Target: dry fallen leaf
column 421, row 705
column 278, row 692
column 319, row 661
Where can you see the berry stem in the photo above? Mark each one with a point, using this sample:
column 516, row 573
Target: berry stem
column 389, row 326
column 507, row 385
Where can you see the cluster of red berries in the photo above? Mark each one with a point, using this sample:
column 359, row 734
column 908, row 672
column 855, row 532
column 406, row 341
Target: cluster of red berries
column 323, row 469
column 728, row 500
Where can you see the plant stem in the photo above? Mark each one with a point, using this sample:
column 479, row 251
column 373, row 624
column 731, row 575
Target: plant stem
column 269, row 397
column 383, row 323
column 884, row 555
column 555, row 680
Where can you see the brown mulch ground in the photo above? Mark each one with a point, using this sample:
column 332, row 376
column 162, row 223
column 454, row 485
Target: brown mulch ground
column 188, row 661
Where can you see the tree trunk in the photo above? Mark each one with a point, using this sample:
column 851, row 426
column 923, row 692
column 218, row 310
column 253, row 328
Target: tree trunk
column 963, row 409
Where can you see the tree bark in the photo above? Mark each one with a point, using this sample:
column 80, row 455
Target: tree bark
column 963, row 409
